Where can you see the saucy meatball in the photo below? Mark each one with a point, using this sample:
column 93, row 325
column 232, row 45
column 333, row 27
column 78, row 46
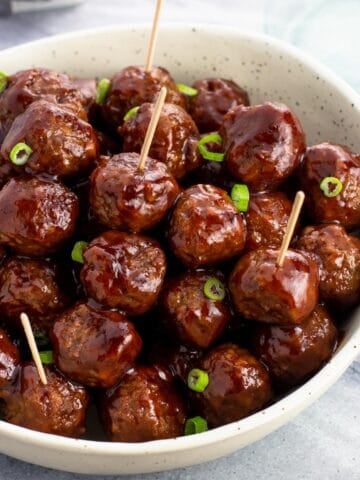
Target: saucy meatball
column 292, row 353
column 123, row 197
column 9, row 361
column 263, row 144
column 215, row 97
column 322, row 162
column 124, row 271
column 94, row 347
column 338, row 255
column 62, row 144
column 195, row 319
column 29, row 286
column 58, row 407
column 263, row 291
column 266, row 220
column 133, row 86
column 205, row 227
column 36, row 216
column 145, row 406
column 239, row 385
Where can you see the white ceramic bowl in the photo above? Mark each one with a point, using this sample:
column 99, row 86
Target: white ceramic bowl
column 269, row 70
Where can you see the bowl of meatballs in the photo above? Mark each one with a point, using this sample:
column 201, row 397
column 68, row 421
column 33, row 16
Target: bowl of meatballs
column 168, row 331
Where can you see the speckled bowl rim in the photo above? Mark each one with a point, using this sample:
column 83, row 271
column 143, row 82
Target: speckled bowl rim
column 287, row 407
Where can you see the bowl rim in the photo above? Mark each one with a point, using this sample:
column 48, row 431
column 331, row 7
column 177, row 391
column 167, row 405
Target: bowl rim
column 292, row 403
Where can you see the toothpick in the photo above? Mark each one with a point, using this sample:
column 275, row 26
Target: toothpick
column 153, row 36
column 33, row 347
column 294, row 216
column 151, row 128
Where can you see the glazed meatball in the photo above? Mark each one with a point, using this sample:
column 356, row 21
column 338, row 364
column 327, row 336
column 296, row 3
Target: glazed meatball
column 330, row 160
column 205, row 227
column 194, row 319
column 94, row 347
column 29, row 286
column 124, row 271
column 239, row 385
column 58, row 407
column 293, row 353
column 145, row 406
column 9, row 361
column 263, row 291
column 87, row 88
column 133, row 86
column 266, row 220
column 338, row 255
column 263, row 144
column 215, row 97
column 125, row 198
column 36, row 216
column 62, row 144
column 175, row 140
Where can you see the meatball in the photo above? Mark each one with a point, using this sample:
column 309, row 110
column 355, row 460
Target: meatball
column 133, row 86
column 239, row 385
column 293, row 353
column 94, row 347
column 58, row 407
column 263, row 144
column 175, row 140
column 124, row 271
column 145, row 406
column 9, row 361
column 62, row 144
column 338, row 255
column 29, row 286
column 36, row 216
column 125, row 198
column 215, row 97
column 195, row 319
column 87, row 88
column 330, row 160
column 266, row 220
column 263, row 291
column 205, row 227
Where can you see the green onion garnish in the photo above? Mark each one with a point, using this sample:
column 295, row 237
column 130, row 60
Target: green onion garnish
column 205, row 153
column 186, row 90
column 47, row 357
column 331, row 186
column 3, row 81
column 102, row 90
column 240, row 196
column 214, row 289
column 20, row 154
column 195, row 425
column 78, row 250
column 197, row 380
column 131, row 113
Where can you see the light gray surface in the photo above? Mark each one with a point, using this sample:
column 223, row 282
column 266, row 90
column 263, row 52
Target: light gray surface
column 323, row 442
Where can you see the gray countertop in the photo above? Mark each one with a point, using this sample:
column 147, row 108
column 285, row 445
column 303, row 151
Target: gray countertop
column 323, row 442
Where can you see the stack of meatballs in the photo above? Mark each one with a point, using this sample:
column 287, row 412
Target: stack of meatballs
column 159, row 296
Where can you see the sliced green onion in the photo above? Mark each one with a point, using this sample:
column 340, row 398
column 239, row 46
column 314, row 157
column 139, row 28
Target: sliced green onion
column 102, row 90
column 205, row 153
column 195, row 425
column 186, row 90
column 3, row 81
column 214, row 289
column 20, row 154
column 331, row 186
column 240, row 195
column 197, row 380
column 78, row 250
column 41, row 338
column 47, row 357
column 131, row 113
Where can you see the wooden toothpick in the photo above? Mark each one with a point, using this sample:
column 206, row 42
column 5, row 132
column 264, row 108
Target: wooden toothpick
column 153, row 36
column 151, row 128
column 294, row 215
column 33, row 347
